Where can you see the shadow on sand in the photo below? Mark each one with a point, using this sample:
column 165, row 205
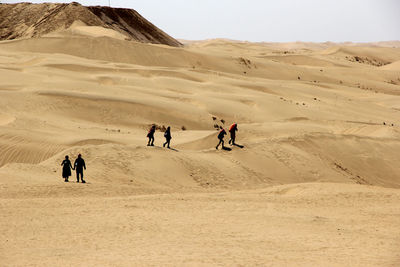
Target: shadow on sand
column 226, row 148
column 240, row 146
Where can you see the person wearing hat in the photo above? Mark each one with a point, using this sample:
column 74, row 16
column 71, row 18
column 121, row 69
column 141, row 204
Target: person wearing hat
column 79, row 166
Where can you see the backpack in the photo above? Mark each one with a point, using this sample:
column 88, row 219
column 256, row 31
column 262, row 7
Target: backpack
column 221, row 134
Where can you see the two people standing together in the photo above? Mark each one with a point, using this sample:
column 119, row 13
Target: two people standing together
column 222, row 133
column 167, row 135
column 79, row 165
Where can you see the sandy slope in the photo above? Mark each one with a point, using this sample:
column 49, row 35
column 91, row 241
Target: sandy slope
column 315, row 184
column 292, row 225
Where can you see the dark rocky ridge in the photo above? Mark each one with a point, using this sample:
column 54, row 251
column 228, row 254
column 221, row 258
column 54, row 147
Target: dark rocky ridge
column 26, row 20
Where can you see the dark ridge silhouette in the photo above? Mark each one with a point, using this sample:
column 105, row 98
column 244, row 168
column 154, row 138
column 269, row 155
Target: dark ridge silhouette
column 26, row 20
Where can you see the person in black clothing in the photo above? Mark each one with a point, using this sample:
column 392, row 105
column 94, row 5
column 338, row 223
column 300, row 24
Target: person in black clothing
column 167, row 136
column 221, row 136
column 66, row 172
column 150, row 135
column 79, row 165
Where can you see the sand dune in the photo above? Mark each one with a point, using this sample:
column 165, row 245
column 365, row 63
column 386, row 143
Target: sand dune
column 395, row 66
column 6, row 119
column 316, row 183
column 79, row 28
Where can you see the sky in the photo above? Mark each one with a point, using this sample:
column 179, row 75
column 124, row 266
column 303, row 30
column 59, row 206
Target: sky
column 269, row 20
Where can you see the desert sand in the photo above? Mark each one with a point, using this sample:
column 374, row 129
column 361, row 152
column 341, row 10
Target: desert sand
column 317, row 182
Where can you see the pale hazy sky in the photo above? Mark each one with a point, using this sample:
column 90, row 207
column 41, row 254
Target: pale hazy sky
column 269, row 20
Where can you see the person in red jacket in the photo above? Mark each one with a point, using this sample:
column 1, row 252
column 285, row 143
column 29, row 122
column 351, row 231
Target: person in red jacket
column 150, row 135
column 221, row 136
column 232, row 131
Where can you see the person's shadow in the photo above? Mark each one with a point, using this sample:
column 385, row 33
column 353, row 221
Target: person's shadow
column 226, row 148
column 173, row 149
column 238, row 145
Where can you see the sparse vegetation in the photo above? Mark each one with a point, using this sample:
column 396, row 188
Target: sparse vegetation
column 367, row 60
column 160, row 128
column 216, row 125
column 247, row 63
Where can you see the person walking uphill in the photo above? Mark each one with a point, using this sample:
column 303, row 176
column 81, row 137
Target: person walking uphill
column 150, row 135
column 66, row 172
column 221, row 136
column 167, row 136
column 232, row 131
column 79, row 165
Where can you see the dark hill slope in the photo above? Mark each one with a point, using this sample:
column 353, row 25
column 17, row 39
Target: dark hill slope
column 26, row 20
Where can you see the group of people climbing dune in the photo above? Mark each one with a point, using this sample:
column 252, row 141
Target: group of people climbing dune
column 168, row 137
column 79, row 164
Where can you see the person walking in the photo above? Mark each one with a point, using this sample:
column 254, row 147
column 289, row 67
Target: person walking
column 232, row 131
column 150, row 135
column 221, row 136
column 168, row 137
column 66, row 171
column 79, row 166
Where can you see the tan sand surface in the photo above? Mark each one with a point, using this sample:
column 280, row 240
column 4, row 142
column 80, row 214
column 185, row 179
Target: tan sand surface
column 291, row 225
column 316, row 184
